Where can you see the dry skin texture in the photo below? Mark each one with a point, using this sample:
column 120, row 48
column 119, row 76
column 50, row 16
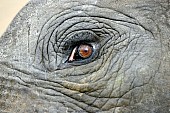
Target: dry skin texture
column 127, row 70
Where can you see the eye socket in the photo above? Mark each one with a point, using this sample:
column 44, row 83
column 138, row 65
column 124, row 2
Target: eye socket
column 81, row 52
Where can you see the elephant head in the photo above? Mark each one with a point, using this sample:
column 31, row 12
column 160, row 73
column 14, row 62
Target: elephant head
column 95, row 56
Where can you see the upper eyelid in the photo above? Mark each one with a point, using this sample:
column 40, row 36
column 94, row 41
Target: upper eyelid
column 87, row 38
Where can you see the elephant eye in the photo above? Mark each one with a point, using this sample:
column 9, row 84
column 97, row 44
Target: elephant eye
column 81, row 52
column 81, row 48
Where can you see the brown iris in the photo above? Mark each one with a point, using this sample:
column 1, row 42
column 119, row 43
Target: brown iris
column 85, row 51
column 81, row 52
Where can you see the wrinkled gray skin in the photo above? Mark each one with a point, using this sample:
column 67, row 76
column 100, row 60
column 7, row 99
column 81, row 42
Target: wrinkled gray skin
column 129, row 71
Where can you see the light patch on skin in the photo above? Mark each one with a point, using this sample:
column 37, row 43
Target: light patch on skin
column 81, row 94
column 2, row 55
column 118, row 80
column 144, row 70
column 95, row 1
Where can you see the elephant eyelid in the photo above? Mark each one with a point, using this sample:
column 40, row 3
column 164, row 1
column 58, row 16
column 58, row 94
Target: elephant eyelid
column 80, row 38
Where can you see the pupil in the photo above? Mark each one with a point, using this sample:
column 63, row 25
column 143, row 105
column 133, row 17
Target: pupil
column 86, row 50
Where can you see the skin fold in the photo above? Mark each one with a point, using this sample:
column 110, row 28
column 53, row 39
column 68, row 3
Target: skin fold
column 128, row 71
